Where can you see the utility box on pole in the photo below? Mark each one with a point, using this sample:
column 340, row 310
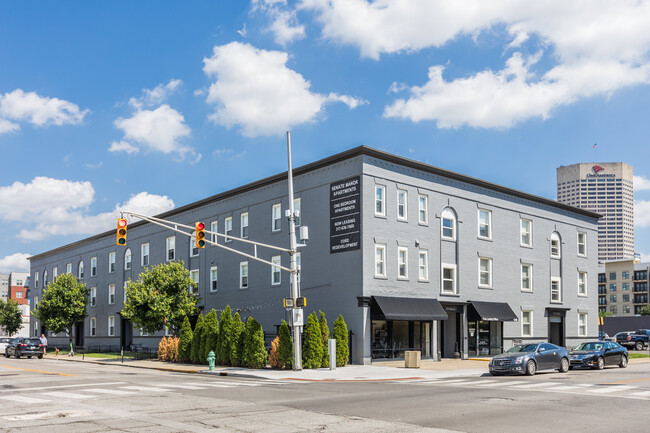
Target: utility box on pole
column 331, row 345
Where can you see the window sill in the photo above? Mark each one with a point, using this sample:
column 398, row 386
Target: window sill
column 379, row 215
column 423, row 281
column 582, row 257
column 527, row 291
column 402, row 220
column 213, row 291
column 484, row 239
column 381, row 277
column 423, row 224
column 486, row 287
column 530, row 247
column 443, row 238
column 582, row 296
column 455, row 295
column 402, row 279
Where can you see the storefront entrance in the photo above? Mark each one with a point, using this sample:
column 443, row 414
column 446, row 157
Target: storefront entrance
column 556, row 326
column 450, row 332
column 485, row 327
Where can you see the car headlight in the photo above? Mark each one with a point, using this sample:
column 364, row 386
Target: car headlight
column 519, row 359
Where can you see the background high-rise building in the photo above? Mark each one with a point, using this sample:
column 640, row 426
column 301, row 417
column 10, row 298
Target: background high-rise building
column 606, row 188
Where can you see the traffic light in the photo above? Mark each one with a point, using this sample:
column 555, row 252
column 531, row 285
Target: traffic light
column 301, row 302
column 121, row 231
column 199, row 237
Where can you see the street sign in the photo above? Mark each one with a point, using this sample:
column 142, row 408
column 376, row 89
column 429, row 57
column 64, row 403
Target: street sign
column 297, row 317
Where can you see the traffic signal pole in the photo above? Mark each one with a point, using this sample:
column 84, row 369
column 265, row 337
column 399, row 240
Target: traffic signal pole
column 297, row 347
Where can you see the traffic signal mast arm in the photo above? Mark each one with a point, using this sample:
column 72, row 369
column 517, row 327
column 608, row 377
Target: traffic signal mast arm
column 174, row 227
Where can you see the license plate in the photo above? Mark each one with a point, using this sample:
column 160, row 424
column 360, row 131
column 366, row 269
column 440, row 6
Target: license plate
column 32, row 347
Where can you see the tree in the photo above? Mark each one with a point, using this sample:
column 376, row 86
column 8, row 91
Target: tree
column 11, row 319
column 63, row 305
column 604, row 314
column 341, row 336
column 195, row 354
column 160, row 298
column 225, row 335
column 312, row 348
column 645, row 311
column 325, row 335
column 210, row 333
column 185, row 344
column 255, row 355
column 237, row 340
column 285, row 350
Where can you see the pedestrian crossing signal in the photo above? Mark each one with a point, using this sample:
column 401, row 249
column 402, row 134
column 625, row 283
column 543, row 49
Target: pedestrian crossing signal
column 199, row 237
column 121, row 231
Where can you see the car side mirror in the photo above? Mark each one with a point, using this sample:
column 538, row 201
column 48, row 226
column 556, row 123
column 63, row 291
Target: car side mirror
column 607, row 349
column 541, row 349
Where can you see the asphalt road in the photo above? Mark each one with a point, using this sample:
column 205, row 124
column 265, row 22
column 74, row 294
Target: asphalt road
column 59, row 396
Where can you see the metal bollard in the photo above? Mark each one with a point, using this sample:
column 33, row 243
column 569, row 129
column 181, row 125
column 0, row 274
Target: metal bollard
column 331, row 343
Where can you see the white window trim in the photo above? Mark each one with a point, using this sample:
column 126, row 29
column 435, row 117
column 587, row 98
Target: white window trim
column 170, row 246
column 227, row 231
column 68, row 268
column 111, row 287
column 580, row 325
column 129, row 262
column 530, row 233
column 108, row 331
column 214, row 228
column 404, row 250
column 578, row 244
column 585, row 284
column 381, row 247
column 93, row 296
column 197, row 273
column 194, row 252
column 382, row 201
column 93, row 268
column 406, row 200
column 530, row 277
column 112, row 256
column 241, row 275
column 277, row 206
column 424, row 221
column 489, row 285
column 424, row 253
column 452, row 217
column 489, row 223
column 242, row 217
column 126, row 283
column 212, row 280
column 81, row 270
column 559, row 285
column 277, row 260
column 93, row 326
column 555, row 237
column 530, row 323
column 444, row 266
column 36, row 280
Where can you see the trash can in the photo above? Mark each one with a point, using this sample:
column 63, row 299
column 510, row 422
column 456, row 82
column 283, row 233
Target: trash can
column 412, row 359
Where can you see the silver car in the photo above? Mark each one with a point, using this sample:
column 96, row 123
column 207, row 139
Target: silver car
column 529, row 358
column 3, row 343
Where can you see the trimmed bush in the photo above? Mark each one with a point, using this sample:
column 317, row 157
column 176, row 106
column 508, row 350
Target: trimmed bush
column 325, row 335
column 255, row 355
column 341, row 336
column 210, row 332
column 237, row 341
column 312, row 348
column 195, row 354
column 185, row 343
column 172, row 351
column 162, row 349
column 285, row 349
column 274, row 356
column 225, row 336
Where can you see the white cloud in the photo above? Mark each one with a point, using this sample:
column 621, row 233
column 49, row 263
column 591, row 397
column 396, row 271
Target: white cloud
column 284, row 22
column 157, row 95
column 255, row 90
column 641, row 183
column 123, row 146
column 641, row 213
column 37, row 110
column 60, row 207
column 15, row 263
column 598, row 46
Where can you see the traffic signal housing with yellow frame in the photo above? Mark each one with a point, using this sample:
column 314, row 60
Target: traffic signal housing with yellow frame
column 199, row 236
column 121, row 231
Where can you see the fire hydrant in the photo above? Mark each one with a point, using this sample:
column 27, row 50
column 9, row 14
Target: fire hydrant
column 211, row 361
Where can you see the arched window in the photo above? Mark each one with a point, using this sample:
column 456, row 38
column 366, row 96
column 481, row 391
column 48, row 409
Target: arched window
column 127, row 259
column 44, row 278
column 556, row 245
column 448, row 224
column 80, row 272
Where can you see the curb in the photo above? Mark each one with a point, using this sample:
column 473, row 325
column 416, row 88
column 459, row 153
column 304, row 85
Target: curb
column 173, row 370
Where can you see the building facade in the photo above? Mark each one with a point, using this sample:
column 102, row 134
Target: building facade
column 4, row 286
column 605, row 188
column 413, row 257
column 19, row 287
column 623, row 287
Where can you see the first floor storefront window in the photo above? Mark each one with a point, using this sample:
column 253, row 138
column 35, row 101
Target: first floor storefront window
column 485, row 338
column 391, row 338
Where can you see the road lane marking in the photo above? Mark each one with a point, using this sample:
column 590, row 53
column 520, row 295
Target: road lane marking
column 608, row 389
column 166, row 385
column 499, row 383
column 641, row 394
column 620, row 382
column 63, row 394
column 23, row 399
column 41, row 388
column 535, row 385
column 576, row 387
column 107, row 391
column 218, row 384
column 146, row 388
column 444, row 382
column 38, row 371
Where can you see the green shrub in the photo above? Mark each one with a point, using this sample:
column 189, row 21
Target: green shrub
column 325, row 335
column 195, row 355
column 341, row 336
column 237, row 341
column 225, row 335
column 255, row 355
column 210, row 332
column 185, row 345
column 312, row 348
column 285, row 350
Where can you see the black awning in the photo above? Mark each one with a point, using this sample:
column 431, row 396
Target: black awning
column 494, row 311
column 410, row 308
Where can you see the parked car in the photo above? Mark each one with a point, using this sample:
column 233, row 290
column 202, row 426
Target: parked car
column 603, row 336
column 598, row 354
column 638, row 340
column 615, row 337
column 22, row 346
column 529, row 358
column 3, row 343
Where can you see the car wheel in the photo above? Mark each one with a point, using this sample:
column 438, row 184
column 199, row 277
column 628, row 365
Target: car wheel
column 623, row 363
column 638, row 345
column 600, row 363
column 564, row 366
column 29, row 357
column 570, row 367
column 531, row 367
column 17, row 355
column 6, row 354
column 40, row 356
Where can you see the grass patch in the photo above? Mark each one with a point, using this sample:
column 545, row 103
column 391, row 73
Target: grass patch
column 638, row 355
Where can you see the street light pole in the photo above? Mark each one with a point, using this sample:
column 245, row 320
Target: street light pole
column 297, row 347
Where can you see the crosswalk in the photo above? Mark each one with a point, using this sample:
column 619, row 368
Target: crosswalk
column 609, row 390
column 120, row 389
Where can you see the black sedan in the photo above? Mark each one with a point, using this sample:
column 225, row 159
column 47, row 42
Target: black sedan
column 528, row 358
column 24, row 347
column 598, row 354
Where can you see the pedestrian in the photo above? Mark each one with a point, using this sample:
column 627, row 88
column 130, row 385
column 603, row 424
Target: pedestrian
column 44, row 343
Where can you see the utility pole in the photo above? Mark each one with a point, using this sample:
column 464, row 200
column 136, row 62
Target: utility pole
column 297, row 347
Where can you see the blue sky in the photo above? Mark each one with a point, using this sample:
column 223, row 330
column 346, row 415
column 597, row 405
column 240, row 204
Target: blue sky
column 152, row 105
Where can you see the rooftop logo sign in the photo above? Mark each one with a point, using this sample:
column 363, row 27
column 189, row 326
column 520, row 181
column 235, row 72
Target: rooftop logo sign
column 597, row 172
column 597, row 168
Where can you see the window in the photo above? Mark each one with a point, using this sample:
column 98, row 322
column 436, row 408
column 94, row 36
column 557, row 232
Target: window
column 625, row 275
column 36, row 280
column 111, row 294
column 243, row 275
column 213, row 279
column 80, row 270
column 582, row 244
column 243, row 218
column 582, row 324
column 380, row 260
column 93, row 326
column 612, row 287
column 194, row 276
column 19, row 295
column 613, row 310
column 484, row 224
column 35, row 302
column 127, row 259
column 526, row 323
column 93, row 266
column 194, row 251
column 35, row 329
column 111, row 262
column 448, row 224
column 526, row 232
column 171, row 247
column 296, row 209
column 214, row 229
column 485, row 272
column 556, row 290
column 144, row 255
column 93, row 296
column 449, row 279
column 582, row 283
column 612, row 275
column 380, row 200
column 402, row 198
column 275, row 271
column 626, row 298
column 612, row 298
column 68, row 268
column 626, row 287
column 423, row 209
column 423, row 265
column 111, row 326
column 402, row 262
column 555, row 245
column 276, row 217
column 55, row 273
column 126, row 283
column 44, row 278
column 526, row 277
column 227, row 228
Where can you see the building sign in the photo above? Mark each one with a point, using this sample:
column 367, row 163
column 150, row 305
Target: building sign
column 345, row 215
column 597, row 172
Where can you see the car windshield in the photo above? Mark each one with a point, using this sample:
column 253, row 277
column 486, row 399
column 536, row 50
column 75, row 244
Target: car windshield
column 522, row 348
column 32, row 341
column 590, row 346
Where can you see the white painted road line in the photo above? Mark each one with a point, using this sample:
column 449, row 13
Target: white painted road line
column 499, row 383
column 640, row 394
column 535, row 385
column 168, row 385
column 488, row 382
column 41, row 388
column 65, row 395
column 452, row 382
column 23, row 399
column 576, row 387
column 217, row 384
column 608, row 389
column 108, row 391
column 146, row 388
